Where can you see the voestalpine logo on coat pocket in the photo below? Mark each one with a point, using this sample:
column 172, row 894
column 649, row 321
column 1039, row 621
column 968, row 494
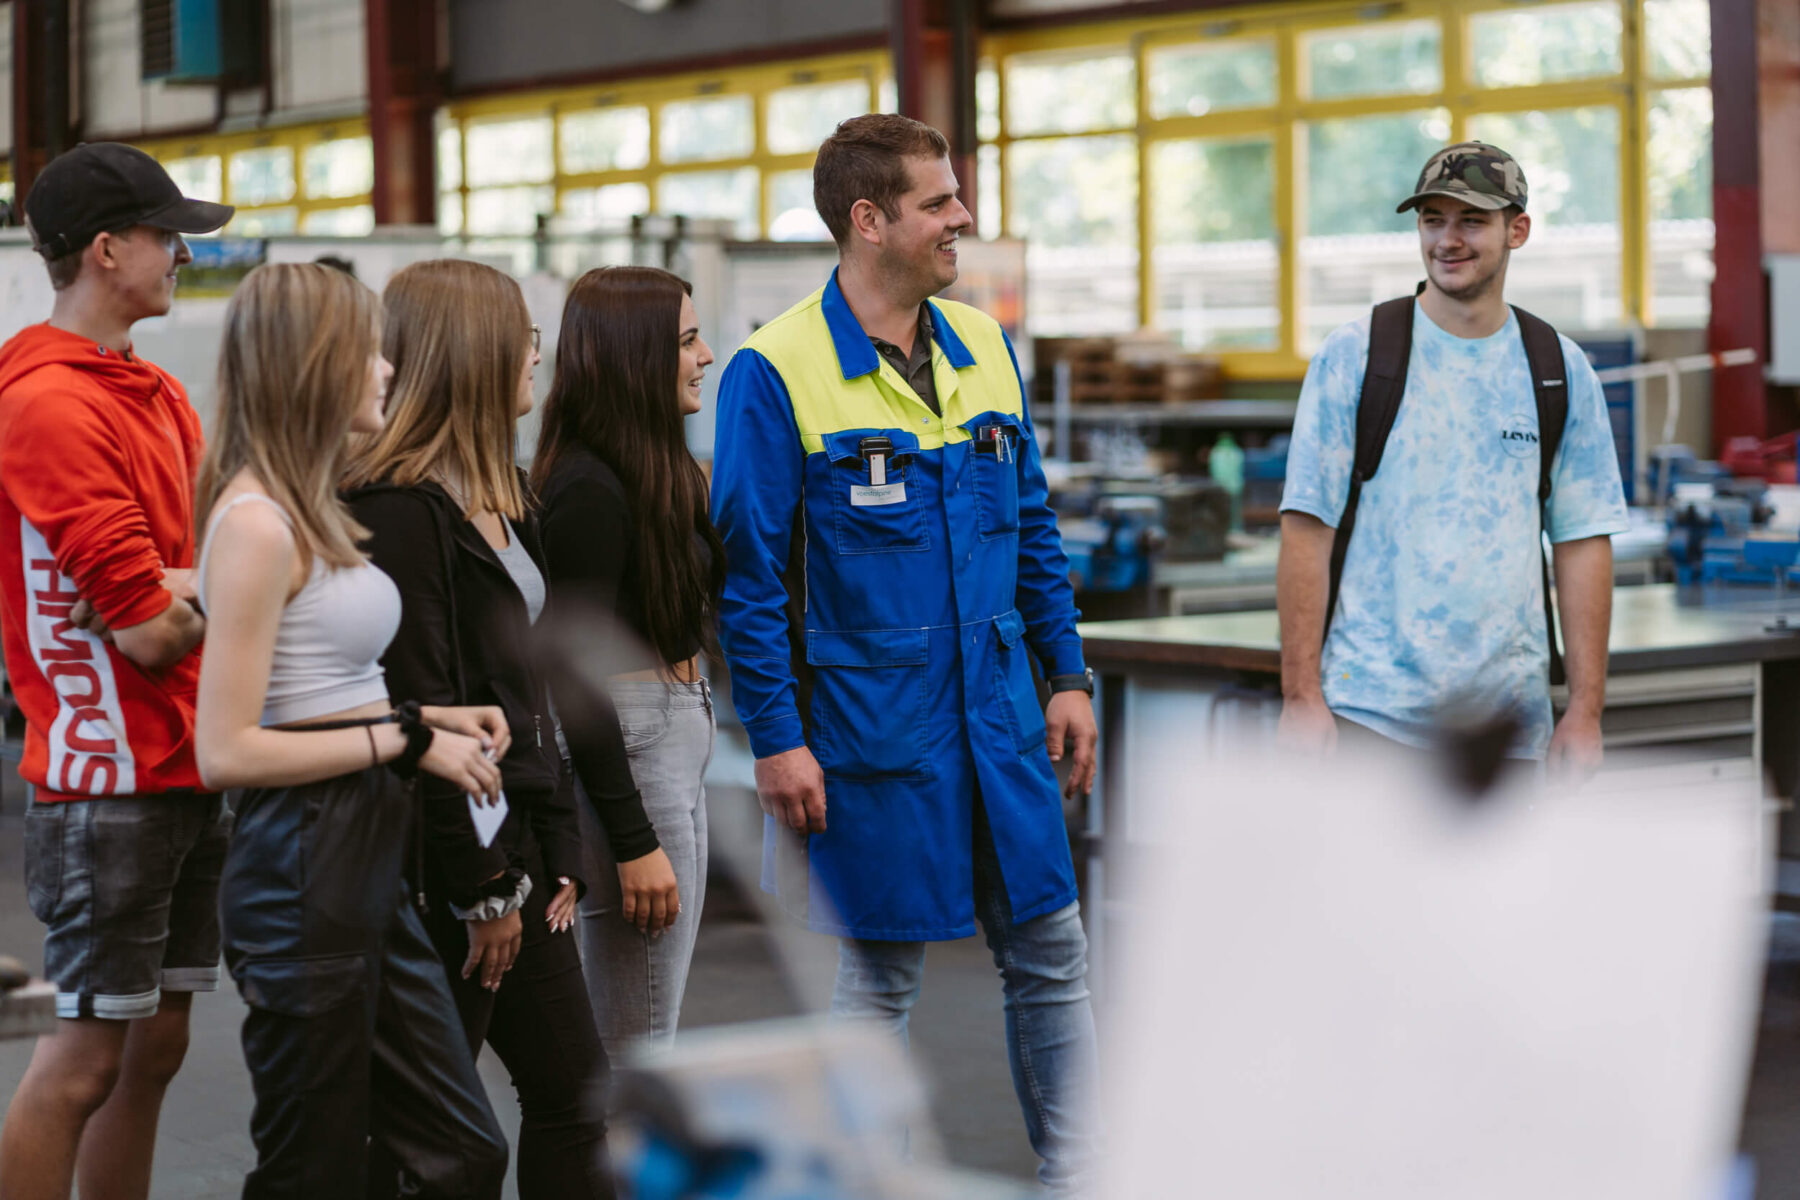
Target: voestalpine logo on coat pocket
column 864, row 496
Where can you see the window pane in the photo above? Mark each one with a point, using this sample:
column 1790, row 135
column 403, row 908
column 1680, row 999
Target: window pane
column 730, row 195
column 1069, row 94
column 201, row 178
column 262, row 176
column 508, row 152
column 1373, row 60
column 450, row 214
column 1355, row 249
column 507, row 210
column 335, row 169
column 263, row 222
column 589, row 208
column 792, row 215
column 987, row 193
column 888, row 98
column 987, row 103
column 1678, row 34
column 1569, row 273
column 449, row 156
column 1217, row 274
column 1191, row 81
column 1516, row 48
column 700, row 130
column 606, row 139
column 1681, row 218
column 802, row 117
column 358, row 220
column 1074, row 200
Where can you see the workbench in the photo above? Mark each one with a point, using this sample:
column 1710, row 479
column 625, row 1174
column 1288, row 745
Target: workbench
column 1700, row 687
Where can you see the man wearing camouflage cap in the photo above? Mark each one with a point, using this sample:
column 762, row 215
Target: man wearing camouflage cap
column 1439, row 598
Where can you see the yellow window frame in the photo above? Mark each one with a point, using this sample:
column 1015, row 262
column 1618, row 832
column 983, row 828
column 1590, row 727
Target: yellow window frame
column 758, row 82
column 294, row 138
column 1630, row 90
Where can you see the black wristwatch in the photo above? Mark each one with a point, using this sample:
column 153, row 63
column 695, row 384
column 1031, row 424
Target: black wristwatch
column 1083, row 682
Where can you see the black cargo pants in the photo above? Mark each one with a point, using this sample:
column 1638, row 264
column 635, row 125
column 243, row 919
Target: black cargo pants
column 352, row 1035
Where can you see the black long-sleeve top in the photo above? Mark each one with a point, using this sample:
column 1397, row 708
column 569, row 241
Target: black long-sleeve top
column 588, row 533
column 465, row 638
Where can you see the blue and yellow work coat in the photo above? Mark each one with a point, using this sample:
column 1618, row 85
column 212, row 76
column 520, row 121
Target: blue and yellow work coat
column 884, row 622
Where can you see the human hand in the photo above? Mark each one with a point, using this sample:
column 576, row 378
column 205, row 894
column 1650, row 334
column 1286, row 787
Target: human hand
column 460, row 759
column 651, row 895
column 1069, row 726
column 561, row 913
column 1576, row 749
column 484, row 722
column 493, row 945
column 84, row 616
column 791, row 788
column 1308, row 727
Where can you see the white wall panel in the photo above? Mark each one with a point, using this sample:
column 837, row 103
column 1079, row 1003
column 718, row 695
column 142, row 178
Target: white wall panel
column 114, row 101
column 319, row 51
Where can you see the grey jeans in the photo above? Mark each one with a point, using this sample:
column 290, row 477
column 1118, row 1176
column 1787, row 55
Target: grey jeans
column 635, row 982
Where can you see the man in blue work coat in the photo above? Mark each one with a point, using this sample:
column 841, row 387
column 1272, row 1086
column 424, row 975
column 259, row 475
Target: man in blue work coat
column 893, row 561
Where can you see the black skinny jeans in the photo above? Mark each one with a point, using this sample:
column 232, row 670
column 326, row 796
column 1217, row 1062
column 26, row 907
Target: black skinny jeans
column 540, row 1025
column 362, row 1085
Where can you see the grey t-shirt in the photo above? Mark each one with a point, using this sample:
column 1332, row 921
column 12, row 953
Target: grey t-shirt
column 525, row 574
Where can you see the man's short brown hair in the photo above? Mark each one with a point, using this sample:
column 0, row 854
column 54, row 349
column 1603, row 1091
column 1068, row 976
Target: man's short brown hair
column 865, row 159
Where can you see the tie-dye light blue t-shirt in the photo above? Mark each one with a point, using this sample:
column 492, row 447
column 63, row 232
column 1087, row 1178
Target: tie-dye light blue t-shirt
column 1442, row 594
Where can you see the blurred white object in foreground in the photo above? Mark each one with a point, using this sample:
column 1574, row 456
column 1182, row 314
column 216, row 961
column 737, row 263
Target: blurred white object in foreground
column 1345, row 981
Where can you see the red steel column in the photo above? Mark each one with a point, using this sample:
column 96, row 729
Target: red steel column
column 1739, row 296
column 405, row 88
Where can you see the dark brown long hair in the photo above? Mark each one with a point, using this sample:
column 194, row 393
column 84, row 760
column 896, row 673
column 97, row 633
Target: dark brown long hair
column 614, row 393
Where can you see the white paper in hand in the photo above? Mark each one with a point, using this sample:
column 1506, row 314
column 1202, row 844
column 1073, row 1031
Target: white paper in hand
column 487, row 818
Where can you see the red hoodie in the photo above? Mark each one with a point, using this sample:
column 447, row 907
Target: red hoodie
column 98, row 456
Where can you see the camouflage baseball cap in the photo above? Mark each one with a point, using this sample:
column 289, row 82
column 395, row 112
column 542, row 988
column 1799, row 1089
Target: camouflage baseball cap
column 1473, row 172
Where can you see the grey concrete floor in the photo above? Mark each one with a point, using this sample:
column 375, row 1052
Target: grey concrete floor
column 203, row 1148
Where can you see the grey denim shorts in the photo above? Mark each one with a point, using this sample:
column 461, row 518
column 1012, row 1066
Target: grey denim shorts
column 128, row 887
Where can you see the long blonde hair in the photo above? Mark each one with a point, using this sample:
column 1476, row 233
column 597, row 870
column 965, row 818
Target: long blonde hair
column 294, row 367
column 456, row 333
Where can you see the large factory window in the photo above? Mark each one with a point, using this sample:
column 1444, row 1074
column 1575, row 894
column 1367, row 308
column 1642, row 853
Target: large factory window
column 1570, row 276
column 1373, row 60
column 264, row 176
column 604, row 139
column 734, row 145
column 1271, row 144
column 338, row 169
column 1218, row 273
column 201, row 176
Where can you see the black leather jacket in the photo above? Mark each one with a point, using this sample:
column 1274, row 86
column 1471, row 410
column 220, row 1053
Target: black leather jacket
column 465, row 638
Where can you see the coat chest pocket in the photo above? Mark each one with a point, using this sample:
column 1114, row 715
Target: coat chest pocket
column 875, row 483
column 997, row 440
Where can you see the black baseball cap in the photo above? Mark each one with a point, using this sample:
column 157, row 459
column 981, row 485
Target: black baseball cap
column 101, row 186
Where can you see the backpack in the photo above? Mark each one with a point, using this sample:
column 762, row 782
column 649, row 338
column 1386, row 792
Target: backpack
column 1384, row 383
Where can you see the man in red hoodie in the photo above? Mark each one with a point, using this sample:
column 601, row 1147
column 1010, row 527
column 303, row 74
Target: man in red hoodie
column 101, row 634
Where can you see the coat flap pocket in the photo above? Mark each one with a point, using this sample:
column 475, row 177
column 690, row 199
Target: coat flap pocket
column 302, row 987
column 846, row 444
column 1008, row 421
column 871, row 648
column 1010, row 626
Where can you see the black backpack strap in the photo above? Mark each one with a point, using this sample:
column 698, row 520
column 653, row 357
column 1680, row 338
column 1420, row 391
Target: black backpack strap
column 1550, row 382
column 1384, row 383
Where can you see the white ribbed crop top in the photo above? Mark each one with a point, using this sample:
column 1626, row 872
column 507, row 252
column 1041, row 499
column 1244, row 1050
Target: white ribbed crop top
column 332, row 636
